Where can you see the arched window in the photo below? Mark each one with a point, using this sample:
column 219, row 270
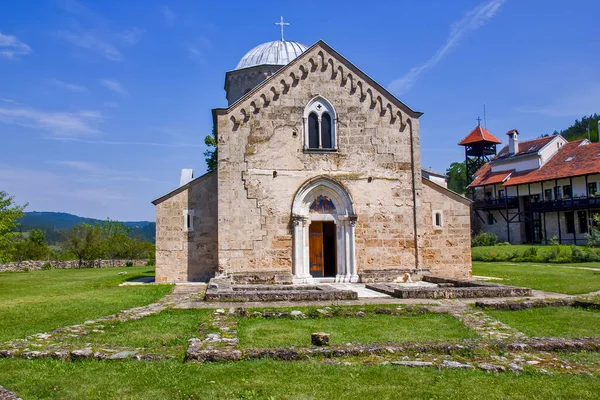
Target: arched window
column 438, row 222
column 313, row 131
column 319, row 125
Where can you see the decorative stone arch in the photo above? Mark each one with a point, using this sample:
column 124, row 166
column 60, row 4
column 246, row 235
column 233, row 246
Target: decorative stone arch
column 342, row 214
column 319, row 106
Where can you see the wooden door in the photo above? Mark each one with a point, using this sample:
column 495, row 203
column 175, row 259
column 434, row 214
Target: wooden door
column 315, row 249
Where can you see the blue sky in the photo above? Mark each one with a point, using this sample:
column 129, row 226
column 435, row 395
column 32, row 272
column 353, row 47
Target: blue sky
column 103, row 102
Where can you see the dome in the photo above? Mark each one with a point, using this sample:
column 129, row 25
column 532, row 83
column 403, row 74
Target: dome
column 272, row 53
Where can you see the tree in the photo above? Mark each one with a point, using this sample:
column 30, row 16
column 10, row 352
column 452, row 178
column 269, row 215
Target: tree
column 211, row 154
column 32, row 247
column 115, row 239
column 579, row 129
column 84, row 241
column 9, row 215
column 457, row 177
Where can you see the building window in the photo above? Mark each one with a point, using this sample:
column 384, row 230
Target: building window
column 501, row 194
column 592, row 188
column 583, row 222
column 548, row 194
column 320, row 125
column 188, row 220
column 490, row 219
column 570, row 220
column 567, row 194
column 438, row 221
column 557, row 193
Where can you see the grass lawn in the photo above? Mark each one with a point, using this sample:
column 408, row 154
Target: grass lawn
column 262, row 332
column 170, row 328
column 549, row 277
column 552, row 321
column 52, row 379
column 523, row 252
column 39, row 301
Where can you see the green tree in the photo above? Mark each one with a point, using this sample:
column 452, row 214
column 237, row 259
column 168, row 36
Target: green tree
column 579, row 129
column 32, row 247
column 115, row 239
column 211, row 154
column 10, row 214
column 457, row 177
column 84, row 241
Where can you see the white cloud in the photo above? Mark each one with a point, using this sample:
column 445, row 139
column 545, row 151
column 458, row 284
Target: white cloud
column 131, row 36
column 11, row 48
column 69, row 86
column 90, row 42
column 114, row 85
column 199, row 48
column 57, row 123
column 169, row 15
column 119, row 143
column 472, row 20
column 11, row 102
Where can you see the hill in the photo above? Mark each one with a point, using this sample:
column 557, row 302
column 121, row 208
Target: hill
column 54, row 222
column 579, row 129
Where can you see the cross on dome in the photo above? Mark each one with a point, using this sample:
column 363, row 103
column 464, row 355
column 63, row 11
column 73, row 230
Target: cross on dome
column 282, row 24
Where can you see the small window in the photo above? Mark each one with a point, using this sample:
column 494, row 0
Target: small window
column 532, row 148
column 567, row 193
column 188, row 220
column 438, row 221
column 570, row 221
column 313, row 131
column 490, row 219
column 501, row 194
column 548, row 194
column 557, row 193
column 592, row 188
column 571, row 158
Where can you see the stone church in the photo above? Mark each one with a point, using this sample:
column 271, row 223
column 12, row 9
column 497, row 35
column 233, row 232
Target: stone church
column 319, row 179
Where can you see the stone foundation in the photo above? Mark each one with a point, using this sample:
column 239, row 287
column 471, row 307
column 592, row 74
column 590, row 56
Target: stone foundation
column 388, row 275
column 450, row 289
column 261, row 277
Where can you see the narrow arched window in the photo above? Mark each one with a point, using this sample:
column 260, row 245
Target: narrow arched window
column 319, row 125
column 326, row 139
column 313, row 131
column 438, row 219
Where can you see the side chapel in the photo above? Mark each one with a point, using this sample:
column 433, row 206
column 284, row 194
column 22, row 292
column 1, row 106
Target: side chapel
column 319, row 179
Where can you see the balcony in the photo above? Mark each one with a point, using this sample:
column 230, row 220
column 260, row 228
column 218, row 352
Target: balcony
column 565, row 204
column 496, row 204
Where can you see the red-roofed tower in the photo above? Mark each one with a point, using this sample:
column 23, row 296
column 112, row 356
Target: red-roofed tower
column 480, row 147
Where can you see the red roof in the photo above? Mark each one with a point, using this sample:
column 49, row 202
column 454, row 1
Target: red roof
column 479, row 134
column 491, row 178
column 572, row 159
column 582, row 160
column 526, row 147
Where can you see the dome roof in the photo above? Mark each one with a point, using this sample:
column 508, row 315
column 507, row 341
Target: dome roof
column 278, row 52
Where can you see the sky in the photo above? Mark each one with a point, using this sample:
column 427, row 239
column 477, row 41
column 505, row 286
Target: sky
column 102, row 103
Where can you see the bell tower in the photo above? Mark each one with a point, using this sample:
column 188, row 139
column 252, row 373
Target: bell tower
column 480, row 147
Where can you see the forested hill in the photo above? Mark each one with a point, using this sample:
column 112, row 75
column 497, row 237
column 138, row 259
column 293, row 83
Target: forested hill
column 54, row 222
column 579, row 129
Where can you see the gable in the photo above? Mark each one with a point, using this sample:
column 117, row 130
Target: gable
column 319, row 58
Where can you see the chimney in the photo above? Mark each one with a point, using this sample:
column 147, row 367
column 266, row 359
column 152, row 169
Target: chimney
column 513, row 141
column 186, row 176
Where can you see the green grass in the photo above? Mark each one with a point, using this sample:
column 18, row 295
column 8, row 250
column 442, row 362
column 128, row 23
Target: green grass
column 548, row 277
column 170, row 328
column 52, row 379
column 39, row 301
column 261, row 332
column 552, row 321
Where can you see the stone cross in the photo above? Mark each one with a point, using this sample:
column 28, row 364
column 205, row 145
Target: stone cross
column 478, row 121
column 282, row 24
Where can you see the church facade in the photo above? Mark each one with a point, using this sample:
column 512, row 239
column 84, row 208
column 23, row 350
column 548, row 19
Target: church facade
column 319, row 178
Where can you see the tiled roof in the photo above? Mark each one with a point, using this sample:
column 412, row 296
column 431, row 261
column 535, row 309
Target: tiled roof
column 491, row 178
column 582, row 160
column 572, row 159
column 526, row 147
column 479, row 134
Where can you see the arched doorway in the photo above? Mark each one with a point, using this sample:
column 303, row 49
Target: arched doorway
column 324, row 220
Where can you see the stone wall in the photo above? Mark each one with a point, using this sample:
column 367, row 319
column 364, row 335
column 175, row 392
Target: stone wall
column 67, row 264
column 446, row 249
column 183, row 256
column 262, row 163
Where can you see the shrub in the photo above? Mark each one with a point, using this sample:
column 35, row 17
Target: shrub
column 484, row 239
column 151, row 263
column 47, row 266
column 129, row 264
column 504, row 244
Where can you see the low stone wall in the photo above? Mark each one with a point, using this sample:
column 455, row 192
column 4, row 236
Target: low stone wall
column 389, row 275
column 66, row 264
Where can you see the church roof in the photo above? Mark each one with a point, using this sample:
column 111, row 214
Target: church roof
column 279, row 52
column 479, row 134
